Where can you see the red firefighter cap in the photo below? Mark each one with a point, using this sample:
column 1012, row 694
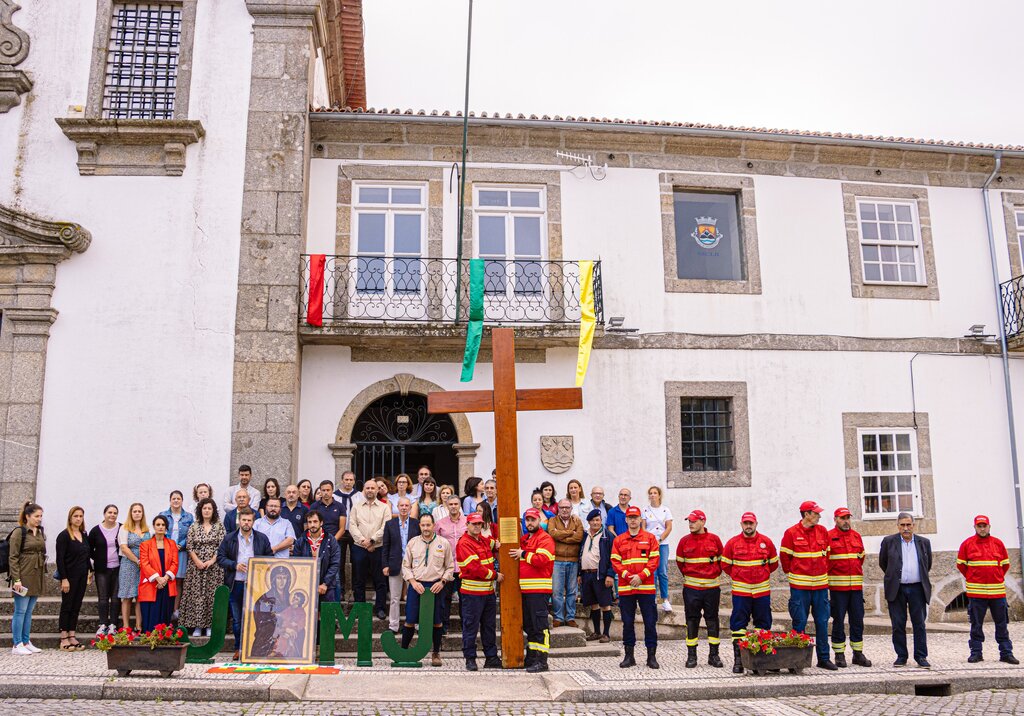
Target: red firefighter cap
column 748, row 517
column 696, row 515
column 532, row 512
column 632, row 511
column 981, row 519
column 474, row 517
column 811, row 506
column 842, row 512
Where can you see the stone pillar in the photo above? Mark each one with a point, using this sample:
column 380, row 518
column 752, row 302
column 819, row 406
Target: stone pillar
column 466, row 453
column 30, row 249
column 264, row 427
column 343, row 453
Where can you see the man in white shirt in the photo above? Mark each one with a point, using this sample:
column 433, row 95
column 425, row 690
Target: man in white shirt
column 244, row 478
column 280, row 532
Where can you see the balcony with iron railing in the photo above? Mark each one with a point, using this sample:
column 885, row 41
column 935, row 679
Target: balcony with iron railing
column 1011, row 299
column 377, row 297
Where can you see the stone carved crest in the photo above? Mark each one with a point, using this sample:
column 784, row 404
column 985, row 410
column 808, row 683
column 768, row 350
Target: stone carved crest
column 556, row 453
column 14, row 46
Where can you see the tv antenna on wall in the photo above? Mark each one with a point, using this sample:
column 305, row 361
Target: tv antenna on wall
column 584, row 162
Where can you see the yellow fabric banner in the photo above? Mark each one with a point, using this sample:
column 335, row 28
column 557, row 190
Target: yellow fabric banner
column 587, row 319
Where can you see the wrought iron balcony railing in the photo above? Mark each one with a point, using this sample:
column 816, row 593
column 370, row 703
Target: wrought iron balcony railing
column 413, row 289
column 1011, row 295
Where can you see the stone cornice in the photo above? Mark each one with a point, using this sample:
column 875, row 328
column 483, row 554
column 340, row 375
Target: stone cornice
column 14, row 46
column 131, row 147
column 290, row 12
column 25, row 238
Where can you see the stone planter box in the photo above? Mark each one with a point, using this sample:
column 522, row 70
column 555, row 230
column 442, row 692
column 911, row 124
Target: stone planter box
column 165, row 659
column 794, row 658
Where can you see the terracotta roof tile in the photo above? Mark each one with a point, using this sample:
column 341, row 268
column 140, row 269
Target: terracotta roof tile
column 937, row 143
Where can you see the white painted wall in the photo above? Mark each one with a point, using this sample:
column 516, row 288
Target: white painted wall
column 138, row 379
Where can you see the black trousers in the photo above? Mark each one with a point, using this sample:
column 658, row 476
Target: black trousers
column 535, row 622
column 449, row 592
column 699, row 603
column 909, row 598
column 479, row 613
column 976, row 608
column 368, row 564
column 843, row 604
column 106, row 592
column 71, row 603
column 345, row 547
column 628, row 604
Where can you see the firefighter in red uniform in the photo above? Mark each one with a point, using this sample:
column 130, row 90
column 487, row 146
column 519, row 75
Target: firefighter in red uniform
column 635, row 560
column 984, row 562
column 804, row 557
column 846, row 588
column 697, row 556
column 749, row 559
column 536, row 555
column 475, row 555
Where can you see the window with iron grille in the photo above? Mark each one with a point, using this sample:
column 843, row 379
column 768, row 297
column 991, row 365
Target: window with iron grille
column 889, row 476
column 142, row 61
column 707, row 434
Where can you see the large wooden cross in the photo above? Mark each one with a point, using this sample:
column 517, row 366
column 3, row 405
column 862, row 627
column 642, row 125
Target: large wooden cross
column 505, row 401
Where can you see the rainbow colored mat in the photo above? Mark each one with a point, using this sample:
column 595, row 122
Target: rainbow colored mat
column 239, row 668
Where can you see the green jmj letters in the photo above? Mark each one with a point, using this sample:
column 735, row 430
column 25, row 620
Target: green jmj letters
column 332, row 618
column 412, row 656
column 204, row 654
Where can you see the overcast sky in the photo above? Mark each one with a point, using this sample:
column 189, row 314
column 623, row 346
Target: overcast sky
column 912, row 68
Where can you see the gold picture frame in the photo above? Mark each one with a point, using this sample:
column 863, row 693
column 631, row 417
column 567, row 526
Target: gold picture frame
column 279, row 611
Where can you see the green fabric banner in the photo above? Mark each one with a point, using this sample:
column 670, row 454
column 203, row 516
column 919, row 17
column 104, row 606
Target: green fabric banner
column 476, row 318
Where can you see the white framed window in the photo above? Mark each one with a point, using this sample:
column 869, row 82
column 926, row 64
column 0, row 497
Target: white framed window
column 889, row 476
column 511, row 228
column 389, row 225
column 890, row 241
column 1020, row 232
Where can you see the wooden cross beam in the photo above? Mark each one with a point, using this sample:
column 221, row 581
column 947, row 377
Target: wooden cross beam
column 505, row 401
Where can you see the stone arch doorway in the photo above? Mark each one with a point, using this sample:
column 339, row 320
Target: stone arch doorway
column 383, row 416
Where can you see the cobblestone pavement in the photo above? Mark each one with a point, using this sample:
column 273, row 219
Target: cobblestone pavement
column 982, row 703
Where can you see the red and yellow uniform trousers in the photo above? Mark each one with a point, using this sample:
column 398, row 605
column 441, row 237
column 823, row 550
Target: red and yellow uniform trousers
column 984, row 563
column 698, row 557
column 535, row 569
column 804, row 558
column 475, row 557
column 749, row 562
column 846, row 588
column 634, row 555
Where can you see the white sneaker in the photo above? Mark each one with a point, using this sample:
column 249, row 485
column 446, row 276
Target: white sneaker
column 665, row 606
column 101, row 630
column 20, row 650
column 209, row 631
column 111, row 628
column 197, row 631
column 32, row 648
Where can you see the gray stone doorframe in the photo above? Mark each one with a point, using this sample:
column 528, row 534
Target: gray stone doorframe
column 403, row 383
column 30, row 249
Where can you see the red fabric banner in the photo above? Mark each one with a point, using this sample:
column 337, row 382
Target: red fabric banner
column 315, row 312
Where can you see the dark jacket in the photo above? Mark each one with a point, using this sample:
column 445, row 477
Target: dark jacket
column 98, row 547
column 73, row 557
column 604, row 564
column 890, row 559
column 329, row 558
column 231, row 520
column 227, row 553
column 391, row 556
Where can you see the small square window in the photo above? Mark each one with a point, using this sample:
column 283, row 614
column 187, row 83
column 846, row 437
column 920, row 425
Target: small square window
column 709, row 245
column 709, row 444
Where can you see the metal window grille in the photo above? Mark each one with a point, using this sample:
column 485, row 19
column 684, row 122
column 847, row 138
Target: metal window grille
column 889, row 472
column 142, row 61
column 707, row 434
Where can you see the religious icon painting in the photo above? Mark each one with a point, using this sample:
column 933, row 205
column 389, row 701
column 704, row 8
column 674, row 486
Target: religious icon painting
column 279, row 611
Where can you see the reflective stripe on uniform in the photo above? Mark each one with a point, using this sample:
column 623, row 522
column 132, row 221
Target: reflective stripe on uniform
column 803, row 555
column 698, row 582
column 833, row 556
column 807, row 580
column 543, row 646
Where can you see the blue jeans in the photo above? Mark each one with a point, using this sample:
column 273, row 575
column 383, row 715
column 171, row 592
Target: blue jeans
column 801, row 603
column 235, row 602
column 564, row 589
column 661, row 576
column 21, row 625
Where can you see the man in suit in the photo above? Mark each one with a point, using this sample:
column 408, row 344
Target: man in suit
column 906, row 559
column 231, row 516
column 233, row 556
column 397, row 533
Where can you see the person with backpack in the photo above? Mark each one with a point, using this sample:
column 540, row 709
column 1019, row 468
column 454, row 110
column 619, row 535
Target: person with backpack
column 27, row 570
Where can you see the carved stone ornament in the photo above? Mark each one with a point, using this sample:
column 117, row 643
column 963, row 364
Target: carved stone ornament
column 131, row 147
column 14, row 45
column 28, row 239
column 556, row 453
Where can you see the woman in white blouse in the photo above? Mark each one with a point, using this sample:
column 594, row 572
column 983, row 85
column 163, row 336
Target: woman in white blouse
column 658, row 521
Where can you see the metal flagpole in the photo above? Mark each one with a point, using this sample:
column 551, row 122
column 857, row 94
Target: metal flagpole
column 462, row 175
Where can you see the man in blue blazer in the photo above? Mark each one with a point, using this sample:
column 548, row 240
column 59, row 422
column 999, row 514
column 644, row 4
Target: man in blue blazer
column 906, row 560
column 596, row 575
column 397, row 533
column 233, row 556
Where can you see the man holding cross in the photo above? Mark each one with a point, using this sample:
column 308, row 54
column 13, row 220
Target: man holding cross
column 536, row 555
column 475, row 556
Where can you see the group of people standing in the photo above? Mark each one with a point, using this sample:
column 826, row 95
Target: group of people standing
column 412, row 536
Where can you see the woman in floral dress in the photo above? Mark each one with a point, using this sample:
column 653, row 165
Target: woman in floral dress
column 129, row 539
column 203, row 575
